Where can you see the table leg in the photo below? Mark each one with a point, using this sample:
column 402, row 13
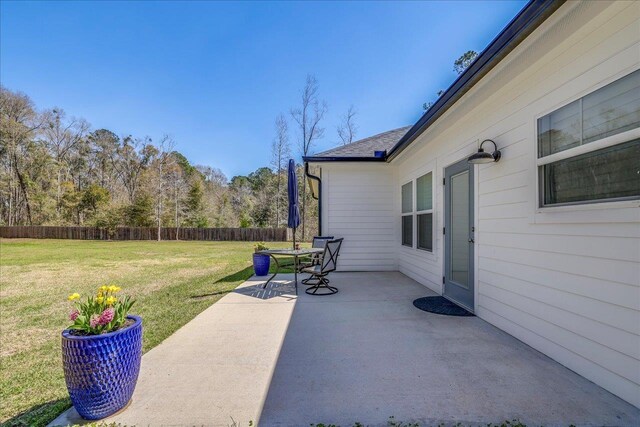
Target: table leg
column 274, row 274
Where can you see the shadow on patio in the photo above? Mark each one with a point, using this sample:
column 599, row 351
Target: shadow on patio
column 277, row 288
column 366, row 354
column 361, row 355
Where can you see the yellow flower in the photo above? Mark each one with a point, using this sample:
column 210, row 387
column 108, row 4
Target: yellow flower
column 113, row 288
column 104, row 288
column 100, row 299
column 111, row 300
column 116, row 289
column 73, row 296
column 100, row 294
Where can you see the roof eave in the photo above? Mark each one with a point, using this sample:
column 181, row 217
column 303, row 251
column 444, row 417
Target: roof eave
column 313, row 159
column 521, row 26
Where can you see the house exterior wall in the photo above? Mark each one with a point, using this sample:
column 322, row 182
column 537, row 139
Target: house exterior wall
column 565, row 280
column 359, row 204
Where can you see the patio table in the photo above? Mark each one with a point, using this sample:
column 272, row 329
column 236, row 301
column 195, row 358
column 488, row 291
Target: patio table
column 295, row 254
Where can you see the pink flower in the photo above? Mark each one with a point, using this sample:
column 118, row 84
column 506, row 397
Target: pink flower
column 74, row 315
column 107, row 316
column 94, row 321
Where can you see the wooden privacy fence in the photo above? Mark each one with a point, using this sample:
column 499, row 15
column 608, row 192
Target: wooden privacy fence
column 146, row 233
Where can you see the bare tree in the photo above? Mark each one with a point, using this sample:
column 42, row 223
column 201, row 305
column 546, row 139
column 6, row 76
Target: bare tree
column 19, row 122
column 213, row 175
column 281, row 150
column 216, row 200
column 347, row 128
column 161, row 164
column 62, row 136
column 308, row 117
column 104, row 144
column 178, row 184
column 129, row 160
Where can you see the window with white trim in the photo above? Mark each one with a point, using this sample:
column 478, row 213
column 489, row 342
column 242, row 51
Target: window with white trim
column 417, row 208
column 407, row 214
column 424, row 212
column 589, row 150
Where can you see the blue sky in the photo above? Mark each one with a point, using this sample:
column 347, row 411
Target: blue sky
column 214, row 75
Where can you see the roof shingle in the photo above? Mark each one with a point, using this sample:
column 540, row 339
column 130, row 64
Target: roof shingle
column 366, row 147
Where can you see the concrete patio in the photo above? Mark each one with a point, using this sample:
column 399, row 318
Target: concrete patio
column 364, row 354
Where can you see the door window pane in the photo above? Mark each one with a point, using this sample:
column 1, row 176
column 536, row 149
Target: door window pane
column 424, row 189
column 612, row 172
column 460, row 229
column 407, row 230
column 407, row 197
column 613, row 109
column 425, row 232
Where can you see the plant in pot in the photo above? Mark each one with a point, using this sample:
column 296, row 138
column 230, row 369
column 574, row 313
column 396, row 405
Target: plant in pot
column 261, row 262
column 101, row 353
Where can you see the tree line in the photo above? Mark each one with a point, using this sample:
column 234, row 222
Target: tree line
column 57, row 170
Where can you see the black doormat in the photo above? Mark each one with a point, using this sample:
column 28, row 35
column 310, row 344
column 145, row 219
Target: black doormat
column 440, row 305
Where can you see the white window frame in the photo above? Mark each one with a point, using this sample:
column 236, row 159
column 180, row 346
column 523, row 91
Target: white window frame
column 412, row 213
column 415, row 212
column 427, row 211
column 606, row 142
column 599, row 144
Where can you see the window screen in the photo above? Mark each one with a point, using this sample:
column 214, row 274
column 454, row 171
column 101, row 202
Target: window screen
column 613, row 109
column 407, row 230
column 407, row 197
column 559, row 130
column 610, row 110
column 610, row 173
column 424, row 189
column 596, row 173
column 425, row 231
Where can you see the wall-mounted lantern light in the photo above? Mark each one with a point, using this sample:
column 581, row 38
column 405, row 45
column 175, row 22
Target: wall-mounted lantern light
column 483, row 157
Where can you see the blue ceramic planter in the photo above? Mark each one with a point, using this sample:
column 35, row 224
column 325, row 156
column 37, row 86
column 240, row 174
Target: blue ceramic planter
column 261, row 264
column 101, row 371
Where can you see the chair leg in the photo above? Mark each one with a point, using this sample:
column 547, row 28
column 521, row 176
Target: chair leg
column 322, row 286
column 310, row 281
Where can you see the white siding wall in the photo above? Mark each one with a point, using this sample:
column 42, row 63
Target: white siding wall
column 564, row 280
column 359, row 204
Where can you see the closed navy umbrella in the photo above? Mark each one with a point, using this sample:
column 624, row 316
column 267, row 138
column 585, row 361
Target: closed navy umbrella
column 293, row 220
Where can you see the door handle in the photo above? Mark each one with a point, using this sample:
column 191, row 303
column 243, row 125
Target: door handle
column 471, row 240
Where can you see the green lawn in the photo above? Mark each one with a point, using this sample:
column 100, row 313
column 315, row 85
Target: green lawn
column 172, row 282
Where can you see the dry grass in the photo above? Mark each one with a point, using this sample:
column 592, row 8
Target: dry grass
column 36, row 276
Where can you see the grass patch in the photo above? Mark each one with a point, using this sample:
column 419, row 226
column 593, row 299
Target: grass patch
column 172, row 282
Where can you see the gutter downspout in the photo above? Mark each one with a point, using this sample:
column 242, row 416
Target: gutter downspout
column 319, row 198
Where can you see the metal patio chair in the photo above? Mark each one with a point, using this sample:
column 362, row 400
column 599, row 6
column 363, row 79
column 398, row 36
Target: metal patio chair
column 315, row 259
column 327, row 265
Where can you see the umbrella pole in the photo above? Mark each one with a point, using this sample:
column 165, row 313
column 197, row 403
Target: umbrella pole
column 295, row 262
